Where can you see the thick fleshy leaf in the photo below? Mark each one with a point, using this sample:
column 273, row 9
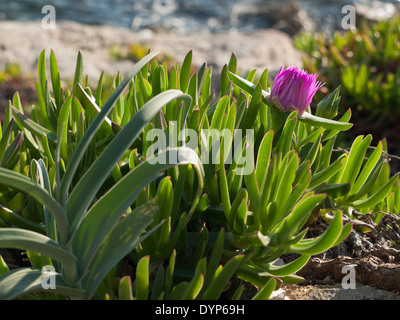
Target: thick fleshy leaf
column 87, row 187
column 288, row 268
column 23, row 183
column 125, row 236
column 248, row 87
column 215, row 258
column 95, row 125
column 377, row 197
column 367, row 186
column 44, row 180
column 224, row 189
column 102, row 217
column 299, row 190
column 266, row 291
column 125, row 288
column 221, row 280
column 347, row 228
column 55, row 79
column 195, row 286
column 19, row 282
column 5, row 139
column 323, row 122
column 324, row 241
column 78, row 77
column 332, row 133
column 297, row 217
column 328, row 107
column 185, row 71
column 323, row 175
column 62, row 128
column 32, row 126
column 252, row 110
column 263, row 158
column 142, row 278
column 91, row 108
column 3, row 266
column 368, row 168
column 285, row 140
column 15, row 219
column 29, row 240
column 336, row 190
column 309, row 138
column 283, row 188
column 355, row 159
column 11, row 154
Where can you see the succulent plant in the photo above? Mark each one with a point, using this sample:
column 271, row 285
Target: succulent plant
column 79, row 194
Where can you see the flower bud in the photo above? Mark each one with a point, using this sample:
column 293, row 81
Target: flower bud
column 294, row 89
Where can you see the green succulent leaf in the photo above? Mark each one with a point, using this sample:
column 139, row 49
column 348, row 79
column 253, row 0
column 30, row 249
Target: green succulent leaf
column 5, row 139
column 95, row 125
column 329, row 134
column 263, row 158
column 377, row 197
column 355, row 159
column 367, row 186
column 266, row 290
column 22, row 281
column 32, row 126
column 323, row 242
column 287, row 269
column 126, row 235
column 195, row 285
column 125, row 288
column 328, row 107
column 285, row 141
column 11, row 154
column 103, row 215
column 323, row 122
column 142, row 278
column 252, row 110
column 3, row 266
column 29, row 240
column 336, row 190
column 23, row 183
column 368, row 169
column 87, row 187
column 221, row 280
column 19, row 221
column 55, row 79
column 297, row 217
column 324, row 175
column 185, row 71
column 91, row 108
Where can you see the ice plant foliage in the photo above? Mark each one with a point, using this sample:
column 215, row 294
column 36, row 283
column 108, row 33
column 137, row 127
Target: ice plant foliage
column 294, row 89
column 81, row 194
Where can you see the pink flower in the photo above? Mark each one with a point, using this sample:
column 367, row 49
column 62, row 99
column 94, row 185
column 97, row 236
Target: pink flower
column 294, row 89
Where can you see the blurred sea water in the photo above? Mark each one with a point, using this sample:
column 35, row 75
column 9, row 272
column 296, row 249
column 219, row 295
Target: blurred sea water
column 182, row 16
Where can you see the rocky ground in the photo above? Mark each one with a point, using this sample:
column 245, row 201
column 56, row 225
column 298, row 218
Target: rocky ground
column 22, row 42
column 374, row 256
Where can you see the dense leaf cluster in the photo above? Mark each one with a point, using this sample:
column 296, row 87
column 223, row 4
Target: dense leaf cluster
column 78, row 193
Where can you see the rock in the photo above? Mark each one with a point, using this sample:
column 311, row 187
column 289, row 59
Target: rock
column 288, row 17
column 22, row 42
column 375, row 11
column 279, row 294
column 332, row 292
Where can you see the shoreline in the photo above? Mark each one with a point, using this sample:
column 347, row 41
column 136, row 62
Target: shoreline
column 22, row 42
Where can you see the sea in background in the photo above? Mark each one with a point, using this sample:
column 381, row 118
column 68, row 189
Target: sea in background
column 186, row 16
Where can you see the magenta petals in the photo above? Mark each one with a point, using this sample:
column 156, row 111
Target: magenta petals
column 294, row 89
